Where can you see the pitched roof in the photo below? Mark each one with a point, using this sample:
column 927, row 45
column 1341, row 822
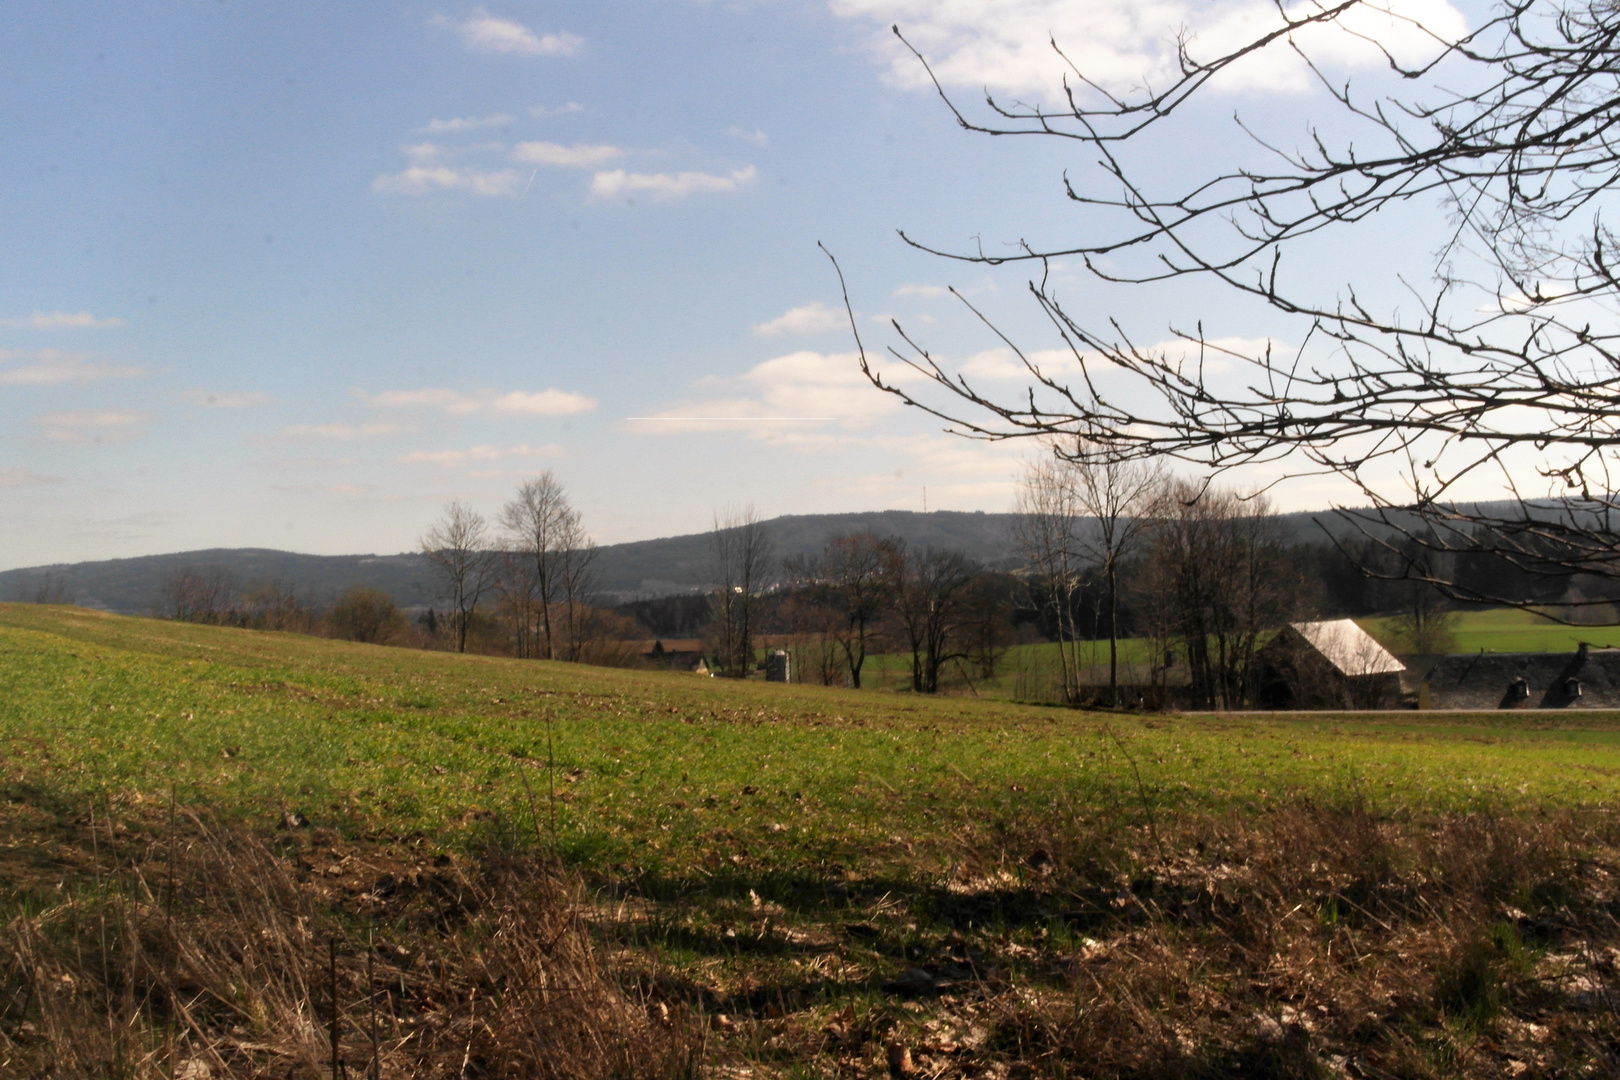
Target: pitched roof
column 1348, row 647
column 1588, row 678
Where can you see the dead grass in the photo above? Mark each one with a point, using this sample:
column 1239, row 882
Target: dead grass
column 1302, row 942
column 205, row 951
column 1306, row 941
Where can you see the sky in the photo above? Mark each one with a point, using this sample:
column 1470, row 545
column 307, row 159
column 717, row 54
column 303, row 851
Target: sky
column 293, row 275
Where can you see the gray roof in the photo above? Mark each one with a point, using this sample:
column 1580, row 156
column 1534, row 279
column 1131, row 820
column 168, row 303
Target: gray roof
column 1586, row 679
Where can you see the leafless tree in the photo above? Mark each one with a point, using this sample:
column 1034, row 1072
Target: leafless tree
column 537, row 520
column 517, row 590
column 932, row 605
column 276, row 605
column 813, row 629
column 203, row 594
column 1218, row 579
column 576, row 557
column 1046, row 530
column 458, row 547
column 1503, row 360
column 740, row 549
column 46, row 587
column 1076, row 515
column 862, row 573
column 1121, row 498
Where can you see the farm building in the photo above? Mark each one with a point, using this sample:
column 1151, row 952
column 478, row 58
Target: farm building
column 1585, row 679
column 1333, row 664
column 681, row 654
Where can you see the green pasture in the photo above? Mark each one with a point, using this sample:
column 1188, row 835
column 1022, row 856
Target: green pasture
column 1506, row 631
column 675, row 775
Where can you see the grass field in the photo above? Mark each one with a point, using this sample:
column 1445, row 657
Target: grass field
column 822, row 844
column 1509, row 631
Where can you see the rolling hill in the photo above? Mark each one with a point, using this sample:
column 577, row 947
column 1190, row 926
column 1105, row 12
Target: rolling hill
column 642, row 568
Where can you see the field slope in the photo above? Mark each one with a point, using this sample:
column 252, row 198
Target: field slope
column 858, row 842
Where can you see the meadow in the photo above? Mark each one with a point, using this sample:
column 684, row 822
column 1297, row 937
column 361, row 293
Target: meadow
column 824, row 881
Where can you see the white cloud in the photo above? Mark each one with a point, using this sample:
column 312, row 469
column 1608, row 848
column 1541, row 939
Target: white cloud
column 1005, row 45
column 570, row 157
column 423, row 179
column 557, row 110
column 483, row 32
column 52, row 367
column 453, row 458
column 466, row 123
column 757, row 137
column 781, row 399
column 81, row 427
column 544, row 403
column 224, row 399
column 812, row 318
column 16, row 478
column 549, row 402
column 61, row 320
column 662, row 186
column 930, row 291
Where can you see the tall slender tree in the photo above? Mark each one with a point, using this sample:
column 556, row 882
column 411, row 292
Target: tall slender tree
column 538, row 520
column 458, row 547
column 740, row 554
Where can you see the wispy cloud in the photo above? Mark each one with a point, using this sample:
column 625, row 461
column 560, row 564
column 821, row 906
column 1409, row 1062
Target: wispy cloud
column 549, row 402
column 52, row 367
column 757, row 137
column 779, row 399
column 425, row 179
column 454, row 458
column 568, row 157
column 465, row 123
column 483, row 32
column 931, row 291
column 61, row 320
column 1005, row 45
column 81, row 427
column 16, row 478
column 224, row 399
column 544, row 403
column 660, row 187
column 813, row 318
column 557, row 110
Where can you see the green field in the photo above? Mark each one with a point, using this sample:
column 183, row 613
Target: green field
column 1508, row 631
column 715, row 800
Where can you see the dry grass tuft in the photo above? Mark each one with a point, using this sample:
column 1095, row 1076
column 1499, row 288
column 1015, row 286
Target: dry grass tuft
column 212, row 952
column 1309, row 941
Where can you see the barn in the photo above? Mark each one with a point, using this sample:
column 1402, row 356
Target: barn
column 1332, row 664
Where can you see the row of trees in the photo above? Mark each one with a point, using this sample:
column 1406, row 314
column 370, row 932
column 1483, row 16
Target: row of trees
column 525, row 579
column 1203, row 571
column 860, row 594
column 212, row 595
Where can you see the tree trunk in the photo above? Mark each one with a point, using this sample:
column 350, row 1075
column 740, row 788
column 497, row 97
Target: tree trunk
column 1113, row 634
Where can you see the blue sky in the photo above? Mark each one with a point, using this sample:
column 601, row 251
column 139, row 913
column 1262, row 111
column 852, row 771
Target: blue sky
column 293, row 275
